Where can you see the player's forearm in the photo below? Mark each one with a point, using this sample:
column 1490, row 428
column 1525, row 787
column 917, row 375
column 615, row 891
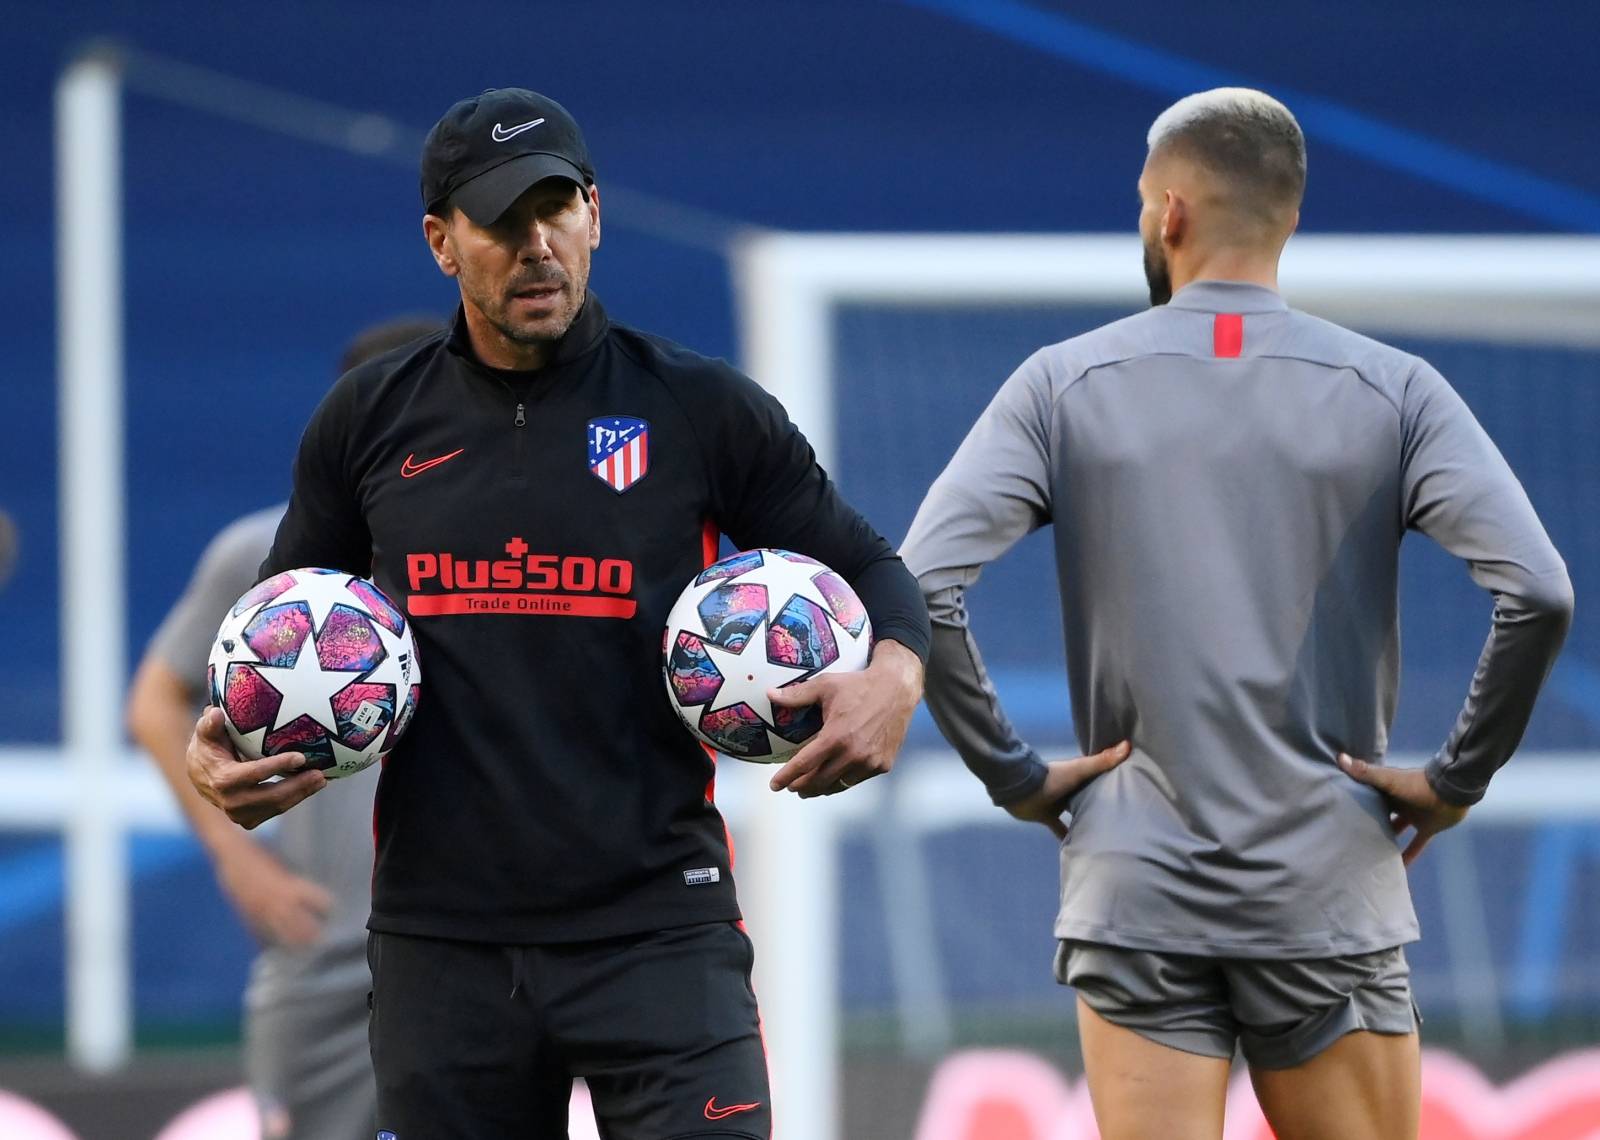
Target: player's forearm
column 1529, row 628
column 967, row 710
column 161, row 720
column 891, row 657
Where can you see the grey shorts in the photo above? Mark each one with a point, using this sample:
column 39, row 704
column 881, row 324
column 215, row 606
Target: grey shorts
column 308, row 1064
column 1283, row 1012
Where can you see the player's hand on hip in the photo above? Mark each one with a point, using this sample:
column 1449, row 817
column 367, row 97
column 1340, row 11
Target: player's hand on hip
column 1061, row 779
column 1412, row 801
column 864, row 720
column 237, row 786
column 282, row 908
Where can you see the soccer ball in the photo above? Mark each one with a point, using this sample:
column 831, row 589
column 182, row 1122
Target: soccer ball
column 759, row 620
column 319, row 662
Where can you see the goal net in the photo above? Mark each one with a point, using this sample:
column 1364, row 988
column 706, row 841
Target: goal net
column 910, row 919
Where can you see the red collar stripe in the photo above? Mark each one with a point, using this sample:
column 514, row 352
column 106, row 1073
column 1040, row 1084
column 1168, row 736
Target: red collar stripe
column 1227, row 334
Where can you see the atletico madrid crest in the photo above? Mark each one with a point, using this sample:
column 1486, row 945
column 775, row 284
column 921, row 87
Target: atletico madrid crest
column 619, row 450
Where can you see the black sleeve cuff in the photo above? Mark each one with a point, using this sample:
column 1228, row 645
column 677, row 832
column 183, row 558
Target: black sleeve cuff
column 1029, row 782
column 895, row 605
column 1448, row 790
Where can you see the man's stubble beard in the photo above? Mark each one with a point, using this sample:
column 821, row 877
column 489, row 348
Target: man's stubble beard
column 545, row 333
column 497, row 312
column 1156, row 275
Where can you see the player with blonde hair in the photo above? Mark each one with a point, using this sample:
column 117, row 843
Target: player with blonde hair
column 1229, row 480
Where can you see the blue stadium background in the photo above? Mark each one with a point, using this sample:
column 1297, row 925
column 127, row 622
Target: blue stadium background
column 251, row 257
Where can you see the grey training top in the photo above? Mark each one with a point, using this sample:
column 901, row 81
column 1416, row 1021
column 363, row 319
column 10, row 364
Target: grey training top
column 1229, row 482
column 327, row 839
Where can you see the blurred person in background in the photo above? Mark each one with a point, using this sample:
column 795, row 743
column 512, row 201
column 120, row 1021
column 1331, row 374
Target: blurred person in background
column 303, row 891
column 1229, row 481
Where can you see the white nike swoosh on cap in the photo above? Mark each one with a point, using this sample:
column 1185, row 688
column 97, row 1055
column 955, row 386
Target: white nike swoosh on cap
column 501, row 134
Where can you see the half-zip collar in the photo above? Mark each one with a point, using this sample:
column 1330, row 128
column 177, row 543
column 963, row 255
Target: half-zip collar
column 581, row 340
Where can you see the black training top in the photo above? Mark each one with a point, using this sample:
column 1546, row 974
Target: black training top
column 546, row 791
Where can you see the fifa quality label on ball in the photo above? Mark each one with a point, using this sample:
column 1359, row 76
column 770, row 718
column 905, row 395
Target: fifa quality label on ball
column 367, row 716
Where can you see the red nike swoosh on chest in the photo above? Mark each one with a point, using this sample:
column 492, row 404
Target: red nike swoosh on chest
column 411, row 467
column 715, row 1113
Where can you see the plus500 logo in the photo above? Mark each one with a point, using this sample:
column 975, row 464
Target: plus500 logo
column 574, row 573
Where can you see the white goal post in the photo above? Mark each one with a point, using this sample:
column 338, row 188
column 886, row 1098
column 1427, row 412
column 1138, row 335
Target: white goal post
column 1543, row 289
column 93, row 594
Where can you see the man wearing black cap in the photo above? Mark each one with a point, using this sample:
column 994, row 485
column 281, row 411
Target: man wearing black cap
column 553, row 895
column 505, row 149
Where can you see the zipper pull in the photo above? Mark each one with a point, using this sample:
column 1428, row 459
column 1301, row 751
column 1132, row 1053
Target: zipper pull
column 521, row 420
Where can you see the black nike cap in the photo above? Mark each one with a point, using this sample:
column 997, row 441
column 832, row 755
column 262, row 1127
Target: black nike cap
column 487, row 150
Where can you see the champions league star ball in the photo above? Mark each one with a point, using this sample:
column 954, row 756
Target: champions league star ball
column 319, row 662
column 755, row 621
